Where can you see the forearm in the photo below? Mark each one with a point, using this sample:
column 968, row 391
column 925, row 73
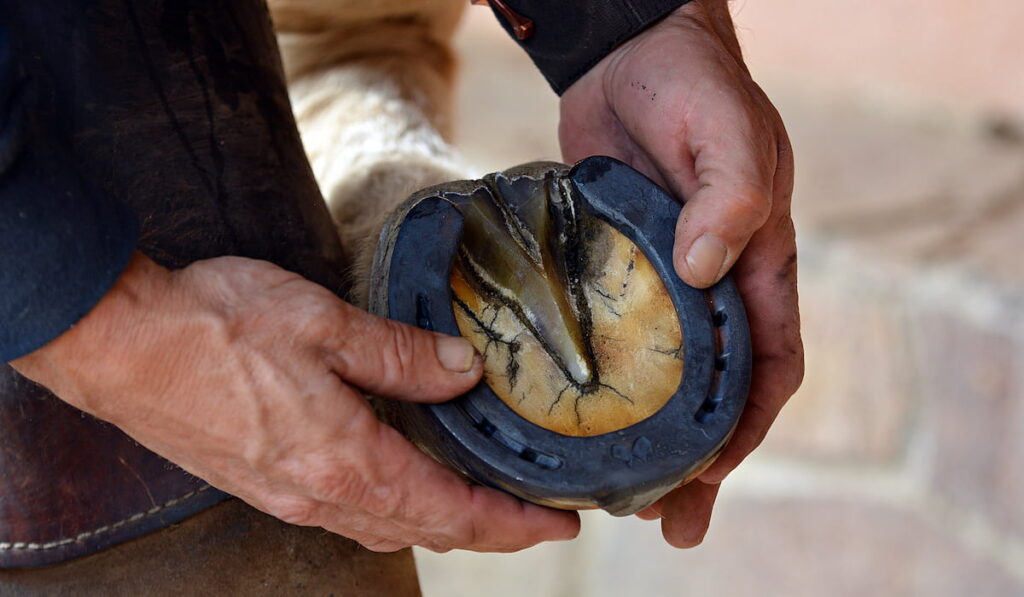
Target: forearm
column 97, row 348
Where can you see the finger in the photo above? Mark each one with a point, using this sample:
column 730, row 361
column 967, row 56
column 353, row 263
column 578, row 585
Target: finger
column 435, row 503
column 776, row 375
column 652, row 512
column 734, row 171
column 687, row 514
column 392, row 359
column 590, row 128
column 750, row 432
column 767, row 276
column 382, row 545
column 381, row 485
column 582, row 139
column 369, row 531
column 499, row 522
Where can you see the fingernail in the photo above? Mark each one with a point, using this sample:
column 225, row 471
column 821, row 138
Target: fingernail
column 706, row 258
column 455, row 354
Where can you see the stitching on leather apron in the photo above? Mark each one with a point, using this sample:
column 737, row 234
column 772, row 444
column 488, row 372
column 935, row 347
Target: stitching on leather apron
column 22, row 545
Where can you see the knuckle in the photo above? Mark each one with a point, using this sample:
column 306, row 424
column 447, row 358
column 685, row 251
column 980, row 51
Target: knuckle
column 797, row 372
column 785, row 230
column 264, row 273
column 293, row 510
column 390, row 496
column 399, row 354
column 791, row 360
column 354, row 483
column 383, row 499
column 784, row 149
column 387, row 502
column 445, row 540
column 443, row 534
column 260, row 456
column 751, row 201
column 312, row 315
column 438, row 546
column 475, row 533
column 464, row 535
column 381, row 545
column 333, row 484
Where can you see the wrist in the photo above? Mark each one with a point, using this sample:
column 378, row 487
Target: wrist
column 568, row 41
column 700, row 25
column 99, row 344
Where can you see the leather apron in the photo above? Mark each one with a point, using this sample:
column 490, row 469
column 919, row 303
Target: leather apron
column 180, row 112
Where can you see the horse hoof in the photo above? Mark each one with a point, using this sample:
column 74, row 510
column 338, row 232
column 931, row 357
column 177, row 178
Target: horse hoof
column 607, row 380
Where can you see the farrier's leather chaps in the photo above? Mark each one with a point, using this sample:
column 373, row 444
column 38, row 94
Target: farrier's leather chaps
column 178, row 109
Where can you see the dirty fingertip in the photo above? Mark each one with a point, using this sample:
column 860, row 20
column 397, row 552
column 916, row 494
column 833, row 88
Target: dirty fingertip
column 706, row 259
column 455, row 354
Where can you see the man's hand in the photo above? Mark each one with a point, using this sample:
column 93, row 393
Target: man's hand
column 249, row 376
column 677, row 103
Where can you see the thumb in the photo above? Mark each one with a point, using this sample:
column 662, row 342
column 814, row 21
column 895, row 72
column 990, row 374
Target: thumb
column 733, row 202
column 395, row 360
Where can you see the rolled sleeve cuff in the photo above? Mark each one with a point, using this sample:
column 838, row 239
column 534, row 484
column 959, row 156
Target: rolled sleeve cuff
column 61, row 249
column 569, row 38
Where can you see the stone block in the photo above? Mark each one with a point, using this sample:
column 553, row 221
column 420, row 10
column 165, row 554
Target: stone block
column 1009, row 484
column 856, row 398
column 971, row 397
column 902, row 192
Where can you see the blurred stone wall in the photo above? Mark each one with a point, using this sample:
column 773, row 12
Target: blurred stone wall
column 896, row 470
column 938, row 53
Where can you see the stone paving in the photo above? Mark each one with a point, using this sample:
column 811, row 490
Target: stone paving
column 896, row 470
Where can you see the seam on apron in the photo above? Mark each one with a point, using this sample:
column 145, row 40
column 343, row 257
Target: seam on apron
column 83, row 536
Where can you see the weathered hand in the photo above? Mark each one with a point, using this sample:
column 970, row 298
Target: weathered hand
column 677, row 103
column 246, row 375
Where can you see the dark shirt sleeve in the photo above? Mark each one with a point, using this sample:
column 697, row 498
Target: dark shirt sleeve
column 62, row 245
column 571, row 36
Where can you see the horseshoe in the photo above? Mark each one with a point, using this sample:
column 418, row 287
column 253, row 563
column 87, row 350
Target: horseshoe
column 608, row 381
